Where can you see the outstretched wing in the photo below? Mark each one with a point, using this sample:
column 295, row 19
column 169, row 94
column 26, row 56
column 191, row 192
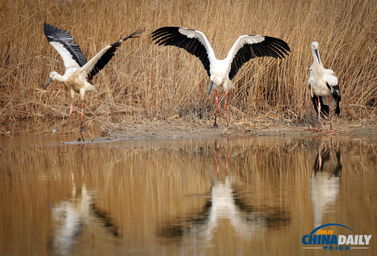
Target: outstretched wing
column 193, row 41
column 98, row 62
column 248, row 47
column 64, row 44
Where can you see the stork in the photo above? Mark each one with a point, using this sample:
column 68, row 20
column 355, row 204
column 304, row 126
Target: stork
column 224, row 202
column 72, row 216
column 323, row 86
column 79, row 72
column 325, row 182
column 221, row 72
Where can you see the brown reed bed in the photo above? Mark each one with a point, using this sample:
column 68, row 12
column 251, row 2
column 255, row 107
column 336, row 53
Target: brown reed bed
column 146, row 82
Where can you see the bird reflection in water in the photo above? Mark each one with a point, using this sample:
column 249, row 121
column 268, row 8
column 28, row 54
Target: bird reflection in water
column 325, row 181
column 73, row 217
column 223, row 203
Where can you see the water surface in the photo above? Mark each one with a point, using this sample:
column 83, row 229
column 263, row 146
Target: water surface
column 254, row 196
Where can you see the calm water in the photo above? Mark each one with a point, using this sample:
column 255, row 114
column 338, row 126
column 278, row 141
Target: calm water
column 217, row 197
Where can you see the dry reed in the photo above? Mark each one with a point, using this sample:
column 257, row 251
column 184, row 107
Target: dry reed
column 147, row 81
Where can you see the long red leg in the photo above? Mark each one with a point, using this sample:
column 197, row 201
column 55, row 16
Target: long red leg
column 329, row 114
column 227, row 162
column 81, row 122
column 216, row 110
column 226, row 108
column 70, row 110
column 217, row 163
column 319, row 112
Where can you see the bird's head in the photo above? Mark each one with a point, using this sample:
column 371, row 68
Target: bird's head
column 51, row 77
column 315, row 45
column 315, row 51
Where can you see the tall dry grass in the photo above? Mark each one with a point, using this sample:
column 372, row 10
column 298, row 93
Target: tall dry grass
column 149, row 81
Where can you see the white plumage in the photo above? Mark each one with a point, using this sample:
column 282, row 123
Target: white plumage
column 325, row 180
column 78, row 71
column 221, row 72
column 72, row 217
column 224, row 205
column 323, row 85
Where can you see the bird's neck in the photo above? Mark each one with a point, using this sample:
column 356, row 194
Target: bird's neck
column 317, row 67
column 316, row 58
column 59, row 78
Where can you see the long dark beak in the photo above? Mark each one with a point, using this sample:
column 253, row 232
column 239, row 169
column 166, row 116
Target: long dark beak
column 317, row 54
column 49, row 80
column 210, row 86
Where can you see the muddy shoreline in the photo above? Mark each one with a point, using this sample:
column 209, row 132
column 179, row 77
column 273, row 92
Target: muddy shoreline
column 178, row 129
column 181, row 130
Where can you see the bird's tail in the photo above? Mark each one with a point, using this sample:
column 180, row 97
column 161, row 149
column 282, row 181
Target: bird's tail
column 335, row 91
column 337, row 109
column 336, row 96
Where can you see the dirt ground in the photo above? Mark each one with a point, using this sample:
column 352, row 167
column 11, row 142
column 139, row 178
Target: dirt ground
column 183, row 129
column 177, row 128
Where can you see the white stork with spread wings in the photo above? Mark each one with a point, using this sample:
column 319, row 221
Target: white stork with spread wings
column 78, row 71
column 221, row 72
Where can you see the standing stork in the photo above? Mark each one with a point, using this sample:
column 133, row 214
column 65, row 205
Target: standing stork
column 323, row 85
column 221, row 72
column 79, row 72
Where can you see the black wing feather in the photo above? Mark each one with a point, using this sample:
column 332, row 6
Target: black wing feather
column 55, row 34
column 106, row 57
column 172, row 36
column 337, row 97
column 269, row 47
column 101, row 63
column 335, row 92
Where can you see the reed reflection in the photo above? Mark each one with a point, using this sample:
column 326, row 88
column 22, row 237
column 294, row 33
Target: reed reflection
column 325, row 179
column 225, row 201
column 77, row 216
